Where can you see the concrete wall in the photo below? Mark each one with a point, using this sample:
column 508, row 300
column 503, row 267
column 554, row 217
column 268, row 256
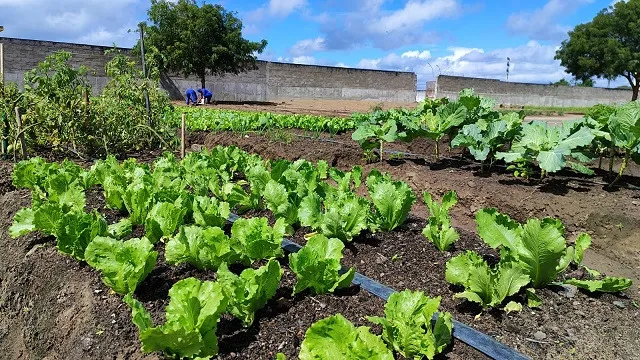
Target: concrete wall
column 20, row 56
column 271, row 81
column 511, row 93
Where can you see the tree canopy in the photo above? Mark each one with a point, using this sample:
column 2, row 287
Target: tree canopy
column 198, row 40
column 607, row 47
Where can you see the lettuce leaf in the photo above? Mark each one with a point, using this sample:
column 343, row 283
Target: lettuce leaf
column 256, row 240
column 408, row 327
column 343, row 218
column 484, row 285
column 337, row 338
column 191, row 320
column 204, row 248
column 162, row 220
column 439, row 230
column 392, row 201
column 250, row 291
column 317, row 266
column 124, row 265
column 208, row 211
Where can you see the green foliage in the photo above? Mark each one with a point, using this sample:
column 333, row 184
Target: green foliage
column 341, row 217
column 539, row 248
column 257, row 240
column 175, row 39
column 243, row 121
column 73, row 229
column 607, row 284
column 392, row 201
column 250, row 291
column 624, row 128
column 58, row 94
column 483, row 284
column 439, row 230
column 204, row 248
column 408, row 328
column 120, row 120
column 484, row 138
column 120, row 229
column 548, row 146
column 606, row 47
column 208, row 211
column 317, row 266
column 163, row 220
column 372, row 134
column 191, row 320
column 124, row 265
column 337, row 338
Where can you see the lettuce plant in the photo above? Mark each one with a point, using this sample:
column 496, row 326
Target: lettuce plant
column 256, row 240
column 250, row 291
column 392, row 201
column 204, row 248
column 73, row 229
column 317, row 266
column 408, row 328
column 191, row 320
column 446, row 120
column 439, row 230
column 538, row 246
column 342, row 218
column 123, row 264
column 337, row 338
column 120, row 229
column 483, row 284
column 208, row 211
column 163, row 220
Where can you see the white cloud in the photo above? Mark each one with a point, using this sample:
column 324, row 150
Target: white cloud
column 424, row 55
column 370, row 24
column 284, row 7
column 307, row 46
column 97, row 22
column 415, row 13
column 531, row 62
column 542, row 24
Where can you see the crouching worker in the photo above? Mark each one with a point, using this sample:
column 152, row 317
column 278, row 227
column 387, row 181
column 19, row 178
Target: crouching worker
column 191, row 97
column 206, row 94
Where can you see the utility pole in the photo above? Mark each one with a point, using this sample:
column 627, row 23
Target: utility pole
column 144, row 73
column 508, row 65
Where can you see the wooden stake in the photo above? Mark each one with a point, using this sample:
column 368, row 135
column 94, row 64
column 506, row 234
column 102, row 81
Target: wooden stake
column 182, row 137
column 23, row 146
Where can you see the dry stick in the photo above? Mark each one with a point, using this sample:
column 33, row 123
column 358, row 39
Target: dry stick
column 182, row 137
column 21, row 134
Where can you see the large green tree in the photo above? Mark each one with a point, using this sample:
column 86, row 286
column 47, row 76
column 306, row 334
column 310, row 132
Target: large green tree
column 184, row 37
column 607, row 47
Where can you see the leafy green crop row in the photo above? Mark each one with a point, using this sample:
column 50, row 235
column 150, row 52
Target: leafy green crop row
column 472, row 123
column 241, row 121
column 185, row 204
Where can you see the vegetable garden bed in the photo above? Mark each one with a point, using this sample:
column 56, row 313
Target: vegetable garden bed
column 401, row 259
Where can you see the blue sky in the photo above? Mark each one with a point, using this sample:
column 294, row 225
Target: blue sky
column 428, row 37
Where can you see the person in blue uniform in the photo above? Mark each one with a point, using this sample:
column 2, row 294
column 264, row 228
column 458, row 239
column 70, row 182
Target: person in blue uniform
column 191, row 96
column 206, row 94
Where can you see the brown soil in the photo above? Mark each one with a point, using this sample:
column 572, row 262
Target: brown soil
column 338, row 108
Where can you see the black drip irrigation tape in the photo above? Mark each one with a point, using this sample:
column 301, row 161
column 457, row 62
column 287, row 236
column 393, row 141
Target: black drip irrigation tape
column 468, row 335
column 424, row 156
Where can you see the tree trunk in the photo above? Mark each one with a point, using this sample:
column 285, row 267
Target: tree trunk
column 635, row 88
column 202, row 78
